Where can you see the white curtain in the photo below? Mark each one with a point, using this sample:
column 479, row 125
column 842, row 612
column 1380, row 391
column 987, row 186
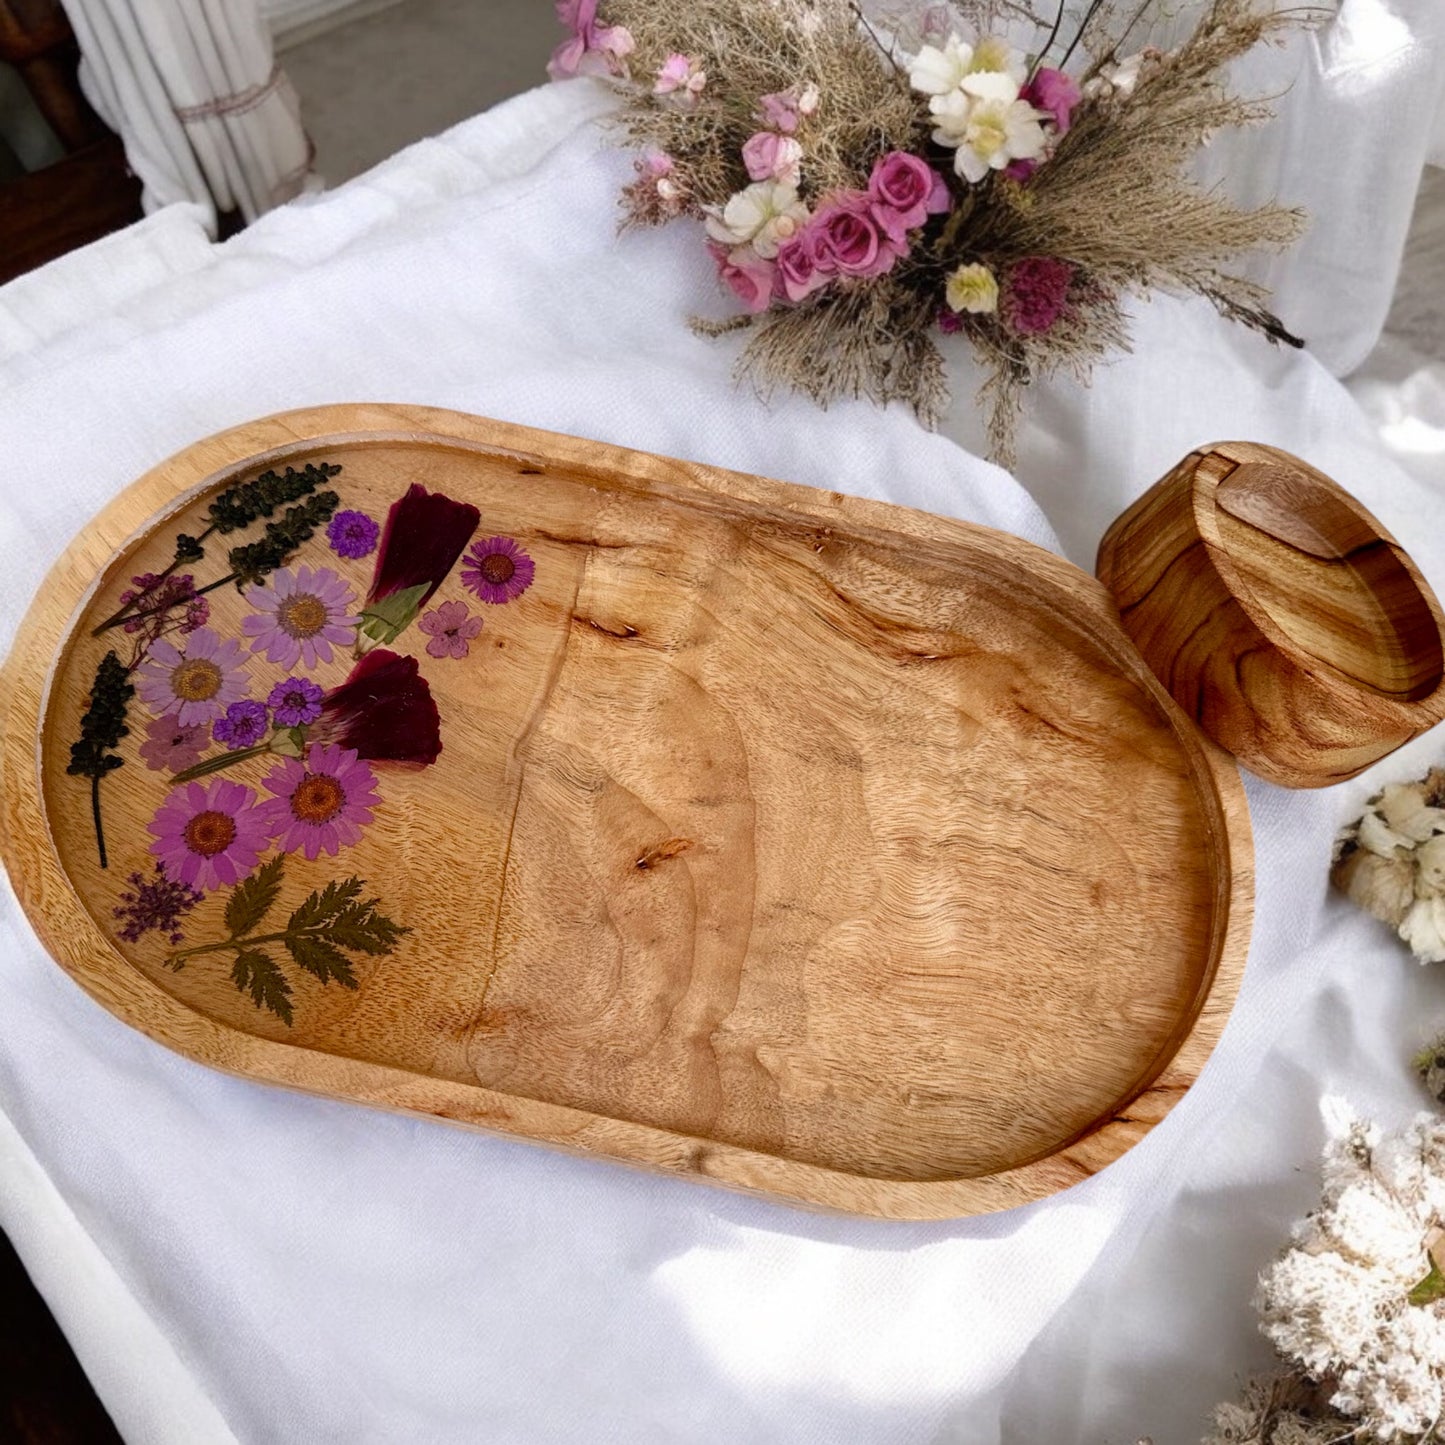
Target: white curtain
column 193, row 88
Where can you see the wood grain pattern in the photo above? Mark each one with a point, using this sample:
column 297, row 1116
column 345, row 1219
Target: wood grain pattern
column 780, row 838
column 1280, row 614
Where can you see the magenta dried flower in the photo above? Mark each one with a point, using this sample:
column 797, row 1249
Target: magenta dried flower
column 322, row 806
column 209, row 837
column 498, row 570
column 384, row 711
column 352, row 534
column 295, row 702
column 243, row 726
column 451, row 628
column 157, row 902
column 169, row 747
column 1035, row 294
column 198, row 613
column 425, row 533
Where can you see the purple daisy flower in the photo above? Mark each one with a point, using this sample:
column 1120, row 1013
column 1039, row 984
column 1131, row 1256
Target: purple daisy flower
column 171, row 748
column 209, row 836
column 296, row 702
column 299, row 615
column 154, row 903
column 497, row 570
column 243, row 726
column 352, row 534
column 323, row 806
column 450, row 629
column 195, row 686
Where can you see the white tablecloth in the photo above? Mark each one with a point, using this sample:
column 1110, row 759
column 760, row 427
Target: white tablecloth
column 238, row 1263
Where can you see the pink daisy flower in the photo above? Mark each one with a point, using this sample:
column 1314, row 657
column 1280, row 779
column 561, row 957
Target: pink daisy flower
column 171, row 748
column 450, row 629
column 195, row 686
column 497, row 570
column 209, row 836
column 323, row 806
column 299, row 615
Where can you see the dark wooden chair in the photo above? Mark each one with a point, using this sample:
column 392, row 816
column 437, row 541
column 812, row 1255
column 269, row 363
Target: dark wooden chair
column 90, row 191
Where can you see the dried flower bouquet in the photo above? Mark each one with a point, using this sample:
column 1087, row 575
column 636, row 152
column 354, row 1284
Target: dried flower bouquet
column 866, row 185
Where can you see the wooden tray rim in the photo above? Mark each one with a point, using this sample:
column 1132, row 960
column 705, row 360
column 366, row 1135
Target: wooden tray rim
column 71, row 936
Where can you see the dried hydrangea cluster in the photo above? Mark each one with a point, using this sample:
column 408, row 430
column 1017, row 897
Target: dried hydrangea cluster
column 981, row 168
column 1357, row 1304
column 1392, row 862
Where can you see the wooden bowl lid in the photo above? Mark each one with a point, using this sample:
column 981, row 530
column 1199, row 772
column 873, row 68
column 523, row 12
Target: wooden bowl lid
column 1279, row 613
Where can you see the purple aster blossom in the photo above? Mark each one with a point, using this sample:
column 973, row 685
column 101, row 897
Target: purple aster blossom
column 171, row 748
column 243, row 726
column 157, row 902
column 296, row 701
column 322, row 806
column 352, row 534
column 450, row 629
column 195, row 685
column 209, row 836
column 300, row 615
column 497, row 570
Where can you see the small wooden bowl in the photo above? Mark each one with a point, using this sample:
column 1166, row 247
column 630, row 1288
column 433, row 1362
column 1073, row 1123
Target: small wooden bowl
column 1279, row 613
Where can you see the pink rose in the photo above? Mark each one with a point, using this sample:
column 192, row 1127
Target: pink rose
column 1054, row 93
column 798, row 273
column 905, row 191
column 749, row 275
column 771, row 157
column 848, row 239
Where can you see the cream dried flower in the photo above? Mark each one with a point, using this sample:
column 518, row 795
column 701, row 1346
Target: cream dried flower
column 1279, row 1410
column 1391, row 862
column 1359, row 1300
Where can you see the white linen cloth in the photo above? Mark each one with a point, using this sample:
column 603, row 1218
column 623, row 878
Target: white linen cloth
column 235, row 1262
column 193, row 89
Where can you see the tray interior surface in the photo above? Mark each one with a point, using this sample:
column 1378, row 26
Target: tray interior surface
column 872, row 851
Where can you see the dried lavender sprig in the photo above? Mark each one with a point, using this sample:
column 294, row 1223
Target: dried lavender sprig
column 233, row 509
column 251, row 563
column 101, row 730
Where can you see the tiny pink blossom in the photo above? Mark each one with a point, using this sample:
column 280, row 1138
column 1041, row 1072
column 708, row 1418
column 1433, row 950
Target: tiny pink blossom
column 591, row 49
column 905, row 191
column 779, row 110
column 451, row 628
column 749, row 275
column 681, row 78
column 772, row 157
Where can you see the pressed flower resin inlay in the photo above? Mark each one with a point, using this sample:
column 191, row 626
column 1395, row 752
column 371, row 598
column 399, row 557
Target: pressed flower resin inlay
column 196, row 685
column 322, row 806
column 300, row 615
column 497, row 570
column 209, row 837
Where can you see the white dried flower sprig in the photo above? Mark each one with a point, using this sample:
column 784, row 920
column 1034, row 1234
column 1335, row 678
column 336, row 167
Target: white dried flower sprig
column 1358, row 1302
column 1392, row 862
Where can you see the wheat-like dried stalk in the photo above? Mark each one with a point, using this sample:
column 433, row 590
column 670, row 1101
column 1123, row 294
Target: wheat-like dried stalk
column 1114, row 200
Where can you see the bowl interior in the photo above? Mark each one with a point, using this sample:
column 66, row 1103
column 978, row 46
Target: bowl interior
column 1316, row 565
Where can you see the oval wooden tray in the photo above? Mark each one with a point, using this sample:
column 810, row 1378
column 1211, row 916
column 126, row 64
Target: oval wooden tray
column 793, row 841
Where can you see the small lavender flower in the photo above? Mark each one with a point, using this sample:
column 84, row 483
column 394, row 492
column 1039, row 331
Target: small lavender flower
column 243, row 726
column 155, row 903
column 352, row 534
column 296, row 702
